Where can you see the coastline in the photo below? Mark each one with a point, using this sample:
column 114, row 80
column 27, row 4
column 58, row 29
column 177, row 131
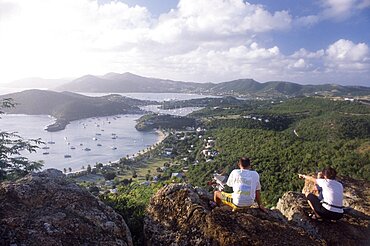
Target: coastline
column 162, row 135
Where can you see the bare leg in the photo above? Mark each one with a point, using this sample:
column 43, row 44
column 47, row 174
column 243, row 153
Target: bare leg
column 309, row 203
column 217, row 197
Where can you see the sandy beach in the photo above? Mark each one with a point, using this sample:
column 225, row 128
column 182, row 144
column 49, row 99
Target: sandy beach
column 162, row 136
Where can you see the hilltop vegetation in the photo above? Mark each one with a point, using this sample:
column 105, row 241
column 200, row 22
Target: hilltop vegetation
column 156, row 121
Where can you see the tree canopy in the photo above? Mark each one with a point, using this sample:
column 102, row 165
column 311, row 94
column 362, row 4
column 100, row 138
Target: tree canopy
column 12, row 164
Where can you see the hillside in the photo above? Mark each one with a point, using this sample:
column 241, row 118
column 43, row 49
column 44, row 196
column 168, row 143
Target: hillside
column 128, row 82
column 67, row 106
column 282, row 138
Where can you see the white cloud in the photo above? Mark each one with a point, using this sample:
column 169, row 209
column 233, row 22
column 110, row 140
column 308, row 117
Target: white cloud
column 200, row 40
column 342, row 9
column 346, row 51
column 206, row 20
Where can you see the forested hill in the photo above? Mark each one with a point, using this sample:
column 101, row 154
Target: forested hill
column 128, row 82
column 282, row 139
column 67, row 106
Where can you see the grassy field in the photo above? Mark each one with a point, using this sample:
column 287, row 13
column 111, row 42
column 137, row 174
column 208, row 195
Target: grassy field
column 144, row 167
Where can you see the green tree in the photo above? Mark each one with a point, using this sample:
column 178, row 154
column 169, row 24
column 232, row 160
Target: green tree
column 12, row 164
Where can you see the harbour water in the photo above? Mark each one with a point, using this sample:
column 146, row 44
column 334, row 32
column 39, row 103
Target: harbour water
column 83, row 142
column 92, row 140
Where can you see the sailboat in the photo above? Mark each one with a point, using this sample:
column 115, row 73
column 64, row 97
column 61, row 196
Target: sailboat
column 51, row 139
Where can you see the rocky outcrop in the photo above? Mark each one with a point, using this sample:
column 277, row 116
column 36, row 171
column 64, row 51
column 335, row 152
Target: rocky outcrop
column 356, row 194
column 180, row 215
column 47, row 209
column 352, row 229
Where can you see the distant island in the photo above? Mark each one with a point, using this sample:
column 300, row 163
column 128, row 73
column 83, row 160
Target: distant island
column 132, row 83
column 67, row 106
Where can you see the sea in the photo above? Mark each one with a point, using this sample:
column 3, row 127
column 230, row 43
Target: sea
column 92, row 140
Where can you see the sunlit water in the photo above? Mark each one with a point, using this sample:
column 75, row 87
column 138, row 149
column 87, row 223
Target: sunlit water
column 82, row 135
column 89, row 133
column 159, row 97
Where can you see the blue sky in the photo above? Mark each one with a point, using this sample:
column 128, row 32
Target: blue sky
column 303, row 41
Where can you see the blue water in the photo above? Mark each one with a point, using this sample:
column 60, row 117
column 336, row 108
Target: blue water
column 128, row 142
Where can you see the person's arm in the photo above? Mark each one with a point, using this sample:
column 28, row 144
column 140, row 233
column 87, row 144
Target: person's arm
column 307, row 177
column 258, row 200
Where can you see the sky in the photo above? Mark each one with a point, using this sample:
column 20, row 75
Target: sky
column 302, row 41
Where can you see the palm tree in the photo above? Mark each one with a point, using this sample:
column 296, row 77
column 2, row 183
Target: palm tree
column 65, row 170
column 70, row 169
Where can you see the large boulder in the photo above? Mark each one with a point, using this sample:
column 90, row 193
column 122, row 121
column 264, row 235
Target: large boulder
column 180, row 215
column 46, row 209
column 352, row 229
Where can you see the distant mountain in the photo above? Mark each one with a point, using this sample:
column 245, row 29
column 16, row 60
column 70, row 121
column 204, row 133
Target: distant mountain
column 68, row 106
column 128, row 82
column 284, row 89
column 37, row 83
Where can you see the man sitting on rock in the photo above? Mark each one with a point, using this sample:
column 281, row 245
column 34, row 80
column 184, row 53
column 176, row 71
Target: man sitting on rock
column 331, row 205
column 246, row 187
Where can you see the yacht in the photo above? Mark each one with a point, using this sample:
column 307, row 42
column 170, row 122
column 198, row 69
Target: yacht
column 114, row 148
column 87, row 149
column 45, row 153
column 67, row 156
column 46, row 147
column 51, row 142
column 95, row 139
column 99, row 144
column 73, row 147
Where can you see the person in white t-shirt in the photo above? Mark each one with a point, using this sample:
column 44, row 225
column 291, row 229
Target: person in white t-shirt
column 331, row 205
column 246, row 187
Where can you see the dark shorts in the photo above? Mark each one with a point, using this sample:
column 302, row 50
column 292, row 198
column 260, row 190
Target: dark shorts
column 320, row 210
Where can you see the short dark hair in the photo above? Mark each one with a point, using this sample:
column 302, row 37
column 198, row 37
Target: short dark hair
column 329, row 172
column 245, row 162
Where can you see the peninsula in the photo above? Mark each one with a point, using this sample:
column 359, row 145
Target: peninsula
column 67, row 106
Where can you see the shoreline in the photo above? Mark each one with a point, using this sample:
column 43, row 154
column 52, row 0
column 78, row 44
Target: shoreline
column 162, row 135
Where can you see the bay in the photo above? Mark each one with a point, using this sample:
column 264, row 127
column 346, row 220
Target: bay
column 128, row 140
column 80, row 139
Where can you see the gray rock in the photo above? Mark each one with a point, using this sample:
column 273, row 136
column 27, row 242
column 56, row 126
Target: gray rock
column 46, row 209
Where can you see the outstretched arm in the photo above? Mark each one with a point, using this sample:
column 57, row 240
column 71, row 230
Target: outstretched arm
column 307, row 177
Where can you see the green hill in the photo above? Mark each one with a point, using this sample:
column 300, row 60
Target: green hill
column 67, row 106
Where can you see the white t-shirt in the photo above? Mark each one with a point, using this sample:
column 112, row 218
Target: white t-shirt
column 332, row 192
column 244, row 183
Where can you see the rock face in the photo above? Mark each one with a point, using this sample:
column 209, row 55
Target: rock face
column 352, row 229
column 47, row 209
column 180, row 215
